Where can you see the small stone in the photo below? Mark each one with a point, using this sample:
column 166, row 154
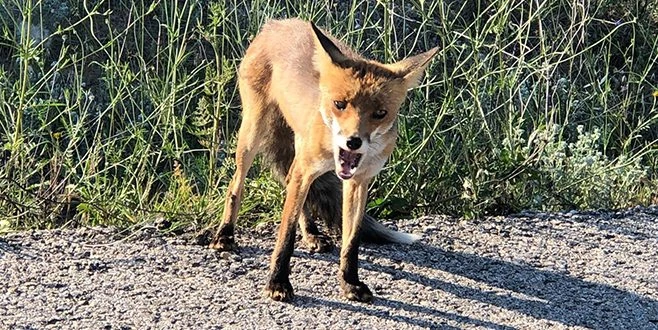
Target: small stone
column 430, row 228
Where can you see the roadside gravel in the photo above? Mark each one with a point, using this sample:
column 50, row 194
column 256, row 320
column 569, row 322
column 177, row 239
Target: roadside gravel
column 576, row 270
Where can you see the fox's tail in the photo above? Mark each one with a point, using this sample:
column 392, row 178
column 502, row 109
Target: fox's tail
column 325, row 195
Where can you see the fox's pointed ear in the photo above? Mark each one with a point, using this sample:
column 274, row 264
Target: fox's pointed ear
column 412, row 68
column 329, row 47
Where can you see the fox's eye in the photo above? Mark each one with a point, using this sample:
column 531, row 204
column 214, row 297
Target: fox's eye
column 379, row 114
column 340, row 105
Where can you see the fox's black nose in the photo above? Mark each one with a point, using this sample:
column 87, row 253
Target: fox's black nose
column 354, row 142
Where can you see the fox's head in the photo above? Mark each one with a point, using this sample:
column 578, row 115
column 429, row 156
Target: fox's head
column 360, row 101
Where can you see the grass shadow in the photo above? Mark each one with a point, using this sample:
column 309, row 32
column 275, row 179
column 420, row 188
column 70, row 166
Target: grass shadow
column 9, row 246
column 635, row 224
column 552, row 296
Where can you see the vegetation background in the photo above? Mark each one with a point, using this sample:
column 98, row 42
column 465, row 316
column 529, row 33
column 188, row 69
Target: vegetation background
column 124, row 112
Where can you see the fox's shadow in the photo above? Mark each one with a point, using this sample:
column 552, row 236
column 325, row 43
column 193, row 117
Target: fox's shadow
column 398, row 305
column 552, row 295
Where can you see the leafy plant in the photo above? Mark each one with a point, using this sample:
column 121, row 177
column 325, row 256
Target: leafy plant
column 125, row 112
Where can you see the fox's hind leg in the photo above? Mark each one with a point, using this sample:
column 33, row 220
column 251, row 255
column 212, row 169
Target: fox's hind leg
column 249, row 145
column 315, row 241
column 323, row 202
column 279, row 152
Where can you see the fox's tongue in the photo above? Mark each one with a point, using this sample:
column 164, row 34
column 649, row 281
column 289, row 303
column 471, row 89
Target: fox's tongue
column 348, row 161
column 346, row 168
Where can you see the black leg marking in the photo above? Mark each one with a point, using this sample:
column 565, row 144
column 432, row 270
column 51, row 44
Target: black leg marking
column 278, row 287
column 353, row 289
column 314, row 241
column 318, row 243
column 224, row 239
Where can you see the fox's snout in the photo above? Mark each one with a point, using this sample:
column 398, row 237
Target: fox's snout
column 354, row 142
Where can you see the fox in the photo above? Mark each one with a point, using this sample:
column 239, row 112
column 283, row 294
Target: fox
column 325, row 120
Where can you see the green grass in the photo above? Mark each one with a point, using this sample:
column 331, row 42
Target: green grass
column 124, row 112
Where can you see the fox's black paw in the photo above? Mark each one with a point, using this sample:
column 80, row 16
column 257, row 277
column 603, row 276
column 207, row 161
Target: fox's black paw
column 318, row 243
column 224, row 239
column 279, row 291
column 222, row 243
column 357, row 292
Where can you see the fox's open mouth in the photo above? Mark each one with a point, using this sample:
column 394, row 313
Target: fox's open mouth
column 348, row 162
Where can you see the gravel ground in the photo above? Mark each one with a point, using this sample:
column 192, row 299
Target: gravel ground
column 576, row 270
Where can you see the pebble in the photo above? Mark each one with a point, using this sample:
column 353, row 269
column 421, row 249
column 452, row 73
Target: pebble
column 591, row 269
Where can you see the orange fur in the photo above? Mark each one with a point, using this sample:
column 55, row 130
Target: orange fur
column 342, row 111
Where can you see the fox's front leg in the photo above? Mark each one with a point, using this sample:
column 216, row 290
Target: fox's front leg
column 355, row 192
column 299, row 181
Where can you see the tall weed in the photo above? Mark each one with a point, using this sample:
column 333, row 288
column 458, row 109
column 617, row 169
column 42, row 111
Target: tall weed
column 124, row 112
